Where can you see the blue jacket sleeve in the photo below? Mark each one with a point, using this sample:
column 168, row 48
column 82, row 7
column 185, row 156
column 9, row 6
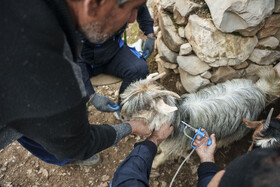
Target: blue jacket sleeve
column 145, row 20
column 135, row 169
column 86, row 78
column 206, row 172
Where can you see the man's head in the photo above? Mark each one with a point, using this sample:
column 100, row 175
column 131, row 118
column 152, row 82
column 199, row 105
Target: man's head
column 100, row 19
column 258, row 168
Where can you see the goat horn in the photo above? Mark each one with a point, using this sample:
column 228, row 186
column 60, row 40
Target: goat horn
column 155, row 76
column 267, row 121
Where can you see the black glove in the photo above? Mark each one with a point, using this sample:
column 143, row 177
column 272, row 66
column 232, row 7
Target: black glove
column 148, row 46
column 103, row 104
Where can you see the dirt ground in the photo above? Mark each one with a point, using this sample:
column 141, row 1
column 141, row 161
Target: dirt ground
column 19, row 168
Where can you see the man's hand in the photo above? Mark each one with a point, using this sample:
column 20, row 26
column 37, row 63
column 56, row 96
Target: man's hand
column 158, row 136
column 139, row 127
column 102, row 103
column 149, row 45
column 205, row 153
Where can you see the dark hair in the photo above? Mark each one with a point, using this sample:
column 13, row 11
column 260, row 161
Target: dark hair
column 258, row 168
column 268, row 172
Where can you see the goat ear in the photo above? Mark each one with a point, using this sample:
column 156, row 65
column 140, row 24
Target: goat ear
column 162, row 107
column 251, row 124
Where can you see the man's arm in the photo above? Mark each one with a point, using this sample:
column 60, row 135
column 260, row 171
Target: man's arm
column 85, row 76
column 146, row 25
column 135, row 169
column 69, row 135
column 207, row 169
column 145, row 20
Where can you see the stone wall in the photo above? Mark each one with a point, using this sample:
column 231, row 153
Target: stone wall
column 211, row 41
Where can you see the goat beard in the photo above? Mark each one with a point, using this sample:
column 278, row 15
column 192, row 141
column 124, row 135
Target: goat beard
column 93, row 32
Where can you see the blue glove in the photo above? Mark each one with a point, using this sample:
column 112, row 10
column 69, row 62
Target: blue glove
column 148, row 46
column 103, row 104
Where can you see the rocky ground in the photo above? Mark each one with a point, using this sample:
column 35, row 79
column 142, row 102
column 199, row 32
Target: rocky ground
column 19, row 168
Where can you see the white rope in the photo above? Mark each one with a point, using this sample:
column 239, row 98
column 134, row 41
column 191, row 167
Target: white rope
column 180, row 168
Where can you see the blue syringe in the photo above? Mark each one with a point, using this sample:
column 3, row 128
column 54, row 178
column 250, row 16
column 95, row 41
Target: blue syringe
column 197, row 132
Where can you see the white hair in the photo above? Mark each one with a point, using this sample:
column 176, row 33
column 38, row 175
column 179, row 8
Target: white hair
column 93, row 33
column 219, row 109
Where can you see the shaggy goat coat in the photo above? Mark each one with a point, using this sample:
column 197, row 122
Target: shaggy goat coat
column 219, row 109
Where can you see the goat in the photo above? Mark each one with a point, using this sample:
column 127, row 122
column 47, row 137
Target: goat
column 267, row 132
column 219, row 109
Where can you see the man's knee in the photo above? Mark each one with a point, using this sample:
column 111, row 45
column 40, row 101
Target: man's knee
column 140, row 69
column 143, row 70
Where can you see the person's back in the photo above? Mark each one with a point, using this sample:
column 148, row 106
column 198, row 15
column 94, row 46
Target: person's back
column 30, row 62
column 258, row 168
column 43, row 99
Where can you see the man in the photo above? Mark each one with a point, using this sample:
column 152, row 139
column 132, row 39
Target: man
column 114, row 57
column 257, row 168
column 136, row 168
column 42, row 95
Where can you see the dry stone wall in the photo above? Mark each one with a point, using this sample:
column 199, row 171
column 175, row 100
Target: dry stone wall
column 211, row 41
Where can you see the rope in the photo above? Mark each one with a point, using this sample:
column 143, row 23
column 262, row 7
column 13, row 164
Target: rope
column 180, row 168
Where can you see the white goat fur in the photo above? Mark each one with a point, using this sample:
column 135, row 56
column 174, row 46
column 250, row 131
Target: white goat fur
column 219, row 109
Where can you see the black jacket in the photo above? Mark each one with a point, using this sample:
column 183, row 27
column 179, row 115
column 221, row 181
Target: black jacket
column 41, row 92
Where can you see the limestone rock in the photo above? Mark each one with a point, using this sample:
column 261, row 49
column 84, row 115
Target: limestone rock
column 150, row 4
column 264, row 57
column 161, row 67
column 181, row 32
column 225, row 73
column 169, row 33
column 217, row 48
column 277, row 6
column 231, row 15
column 271, row 42
column 170, row 65
column 277, row 35
column 185, row 49
column 242, row 65
column 165, row 53
column 192, row 83
column 180, row 87
column 156, row 30
column 192, row 64
column 163, row 184
column 104, row 79
column 105, row 178
column 206, row 75
column 272, row 24
column 277, row 67
column 44, row 172
column 165, row 64
column 250, row 72
column 182, row 10
column 167, row 5
column 251, row 31
column 176, row 71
